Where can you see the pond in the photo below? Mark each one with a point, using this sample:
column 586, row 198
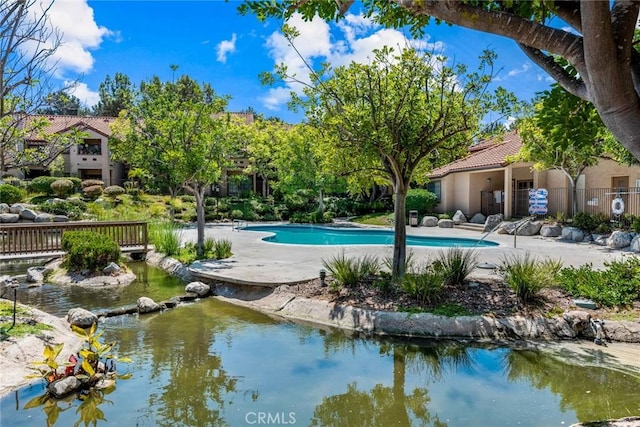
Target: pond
column 209, row 363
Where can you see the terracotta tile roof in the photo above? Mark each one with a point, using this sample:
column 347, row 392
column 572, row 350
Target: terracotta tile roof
column 59, row 124
column 485, row 155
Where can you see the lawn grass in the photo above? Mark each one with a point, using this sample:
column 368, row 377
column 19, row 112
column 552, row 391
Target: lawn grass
column 384, row 219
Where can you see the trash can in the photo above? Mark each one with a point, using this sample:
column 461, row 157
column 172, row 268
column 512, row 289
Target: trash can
column 413, row 218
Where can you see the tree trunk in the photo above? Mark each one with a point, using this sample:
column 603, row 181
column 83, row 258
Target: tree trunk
column 400, row 230
column 199, row 195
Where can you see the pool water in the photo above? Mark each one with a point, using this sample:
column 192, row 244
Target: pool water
column 315, row 235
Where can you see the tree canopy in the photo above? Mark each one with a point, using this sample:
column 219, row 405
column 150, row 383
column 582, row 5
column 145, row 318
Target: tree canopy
column 598, row 41
column 175, row 131
column 402, row 113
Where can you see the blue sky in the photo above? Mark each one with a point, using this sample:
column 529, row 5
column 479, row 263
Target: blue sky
column 210, row 42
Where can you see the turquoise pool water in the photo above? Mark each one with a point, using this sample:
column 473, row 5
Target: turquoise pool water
column 314, row 235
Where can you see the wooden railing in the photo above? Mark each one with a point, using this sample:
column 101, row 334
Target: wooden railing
column 42, row 238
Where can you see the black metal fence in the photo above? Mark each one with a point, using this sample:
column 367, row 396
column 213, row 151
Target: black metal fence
column 560, row 202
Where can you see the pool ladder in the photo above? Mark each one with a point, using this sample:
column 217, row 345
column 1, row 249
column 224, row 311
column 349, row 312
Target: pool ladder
column 238, row 224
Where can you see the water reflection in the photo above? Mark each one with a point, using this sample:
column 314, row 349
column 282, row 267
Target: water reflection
column 215, row 364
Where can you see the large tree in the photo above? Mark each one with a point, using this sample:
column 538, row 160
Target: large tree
column 598, row 41
column 401, row 114
column 176, row 129
column 563, row 133
column 116, row 94
column 27, row 45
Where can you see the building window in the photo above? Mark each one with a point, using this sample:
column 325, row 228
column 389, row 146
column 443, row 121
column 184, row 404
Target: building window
column 436, row 188
column 90, row 147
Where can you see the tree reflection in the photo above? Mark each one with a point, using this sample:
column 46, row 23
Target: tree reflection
column 593, row 393
column 385, row 405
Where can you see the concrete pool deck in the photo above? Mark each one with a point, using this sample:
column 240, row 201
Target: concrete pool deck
column 270, row 264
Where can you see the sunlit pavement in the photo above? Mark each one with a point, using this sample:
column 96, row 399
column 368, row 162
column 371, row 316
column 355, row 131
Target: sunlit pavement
column 255, row 261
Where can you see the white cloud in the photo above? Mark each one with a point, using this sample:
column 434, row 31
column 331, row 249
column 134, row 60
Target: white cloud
column 79, row 33
column 225, row 47
column 525, row 67
column 88, row 97
column 355, row 39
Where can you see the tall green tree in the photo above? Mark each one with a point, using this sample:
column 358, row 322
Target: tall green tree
column 62, row 103
column 176, row 129
column 564, row 133
column 398, row 117
column 598, row 40
column 116, row 94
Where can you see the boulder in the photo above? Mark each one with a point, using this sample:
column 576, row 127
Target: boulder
column 9, row 217
column 492, row 222
column 551, row 230
column 16, row 208
column 60, row 218
column 505, row 228
column 529, row 228
column 478, row 219
column 445, row 223
column 635, row 244
column 459, row 217
column 430, row 221
column 619, row 239
column 573, row 234
column 35, row 274
column 578, row 320
column 28, row 214
column 81, row 317
column 198, row 288
column 601, row 240
column 111, row 268
column 4, row 208
column 147, row 305
column 64, row 386
column 43, row 217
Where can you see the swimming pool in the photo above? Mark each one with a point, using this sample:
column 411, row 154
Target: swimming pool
column 316, row 235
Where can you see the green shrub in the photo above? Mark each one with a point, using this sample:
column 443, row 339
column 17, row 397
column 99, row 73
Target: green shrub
column 456, row 264
column 72, row 209
column 349, row 272
column 617, row 285
column 91, row 182
column 222, row 249
column 114, row 191
column 87, row 250
column 92, row 192
column 166, row 237
column 420, row 200
column 10, row 194
column 42, row 184
column 635, row 225
column 62, row 187
column 237, row 214
column 425, row 284
column 188, row 198
column 527, row 276
column 12, row 180
column 584, row 221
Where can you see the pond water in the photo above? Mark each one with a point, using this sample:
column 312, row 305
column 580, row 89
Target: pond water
column 209, row 363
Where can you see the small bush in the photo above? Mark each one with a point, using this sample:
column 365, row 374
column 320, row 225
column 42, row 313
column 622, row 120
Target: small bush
column 420, row 200
column 72, row 209
column 527, row 276
column 425, row 284
column 237, row 214
column 12, row 180
column 87, row 250
column 349, row 272
column 222, row 249
column 42, row 184
column 584, row 221
column 166, row 237
column 114, row 191
column 456, row 264
column 91, row 182
column 10, row 194
column 617, row 285
column 92, row 192
column 62, row 187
